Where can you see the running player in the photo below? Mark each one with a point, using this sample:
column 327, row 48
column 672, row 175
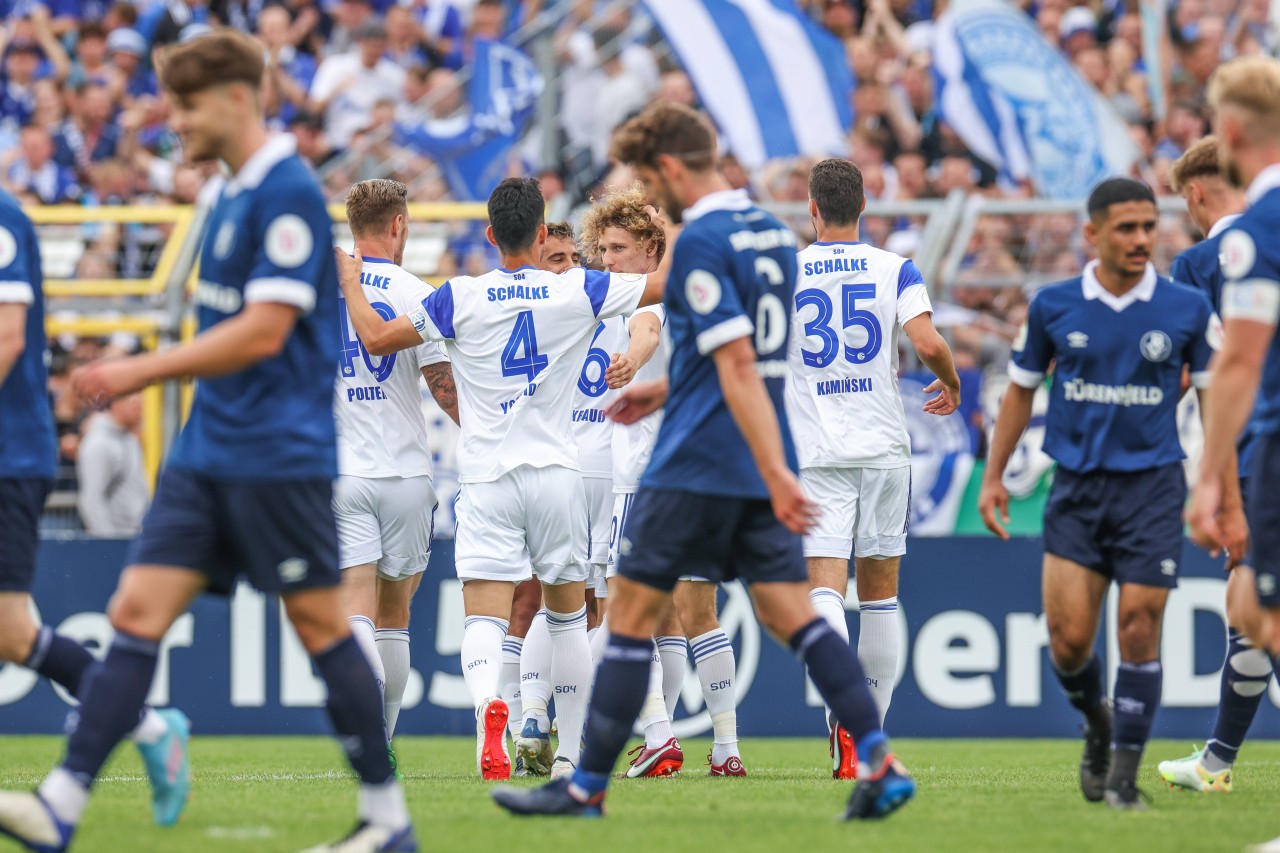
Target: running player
column 719, row 497
column 1120, row 336
column 28, row 463
column 384, row 501
column 1213, row 205
column 851, row 434
column 517, row 338
column 247, row 488
column 1245, row 97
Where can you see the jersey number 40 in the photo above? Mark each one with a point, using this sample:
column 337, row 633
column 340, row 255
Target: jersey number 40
column 820, row 326
column 353, row 347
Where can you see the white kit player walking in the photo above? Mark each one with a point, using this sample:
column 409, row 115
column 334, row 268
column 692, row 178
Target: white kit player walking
column 847, row 418
column 384, row 500
column 517, row 338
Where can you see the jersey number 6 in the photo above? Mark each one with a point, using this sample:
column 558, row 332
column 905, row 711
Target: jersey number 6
column 820, row 326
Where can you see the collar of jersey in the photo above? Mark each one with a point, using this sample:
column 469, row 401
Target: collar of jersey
column 836, row 243
column 1093, row 289
column 722, row 200
column 517, row 269
column 1266, row 181
column 1221, row 225
column 255, row 169
column 368, row 260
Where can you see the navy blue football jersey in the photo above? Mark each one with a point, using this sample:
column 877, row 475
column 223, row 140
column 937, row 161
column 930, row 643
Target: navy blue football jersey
column 269, row 239
column 28, row 445
column 1118, row 370
column 732, row 276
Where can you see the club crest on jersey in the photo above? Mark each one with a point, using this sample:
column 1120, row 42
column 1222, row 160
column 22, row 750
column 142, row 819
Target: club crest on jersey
column 288, row 241
column 1236, row 254
column 702, row 290
column 222, row 243
column 8, row 247
column 1077, row 340
column 1156, row 346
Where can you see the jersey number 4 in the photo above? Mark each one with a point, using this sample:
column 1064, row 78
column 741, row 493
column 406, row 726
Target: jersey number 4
column 353, row 347
column 820, row 326
column 520, row 357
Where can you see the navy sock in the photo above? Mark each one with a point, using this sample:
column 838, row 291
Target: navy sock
column 1244, row 679
column 621, row 682
column 1083, row 688
column 60, row 659
column 111, row 703
column 836, row 672
column 355, row 708
column 1137, row 698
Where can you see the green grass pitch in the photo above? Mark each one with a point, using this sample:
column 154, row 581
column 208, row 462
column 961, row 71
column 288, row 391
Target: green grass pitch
column 281, row 794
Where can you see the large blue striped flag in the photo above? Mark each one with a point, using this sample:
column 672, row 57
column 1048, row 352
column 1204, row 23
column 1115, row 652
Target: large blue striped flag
column 1018, row 104
column 776, row 83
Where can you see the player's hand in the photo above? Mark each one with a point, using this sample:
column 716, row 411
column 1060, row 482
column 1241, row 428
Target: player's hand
column 349, row 267
column 791, row 505
column 1235, row 534
column 993, row 504
column 947, row 401
column 621, row 370
column 1206, row 505
column 638, row 400
column 100, row 382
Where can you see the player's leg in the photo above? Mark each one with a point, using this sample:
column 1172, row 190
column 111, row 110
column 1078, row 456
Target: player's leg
column 660, row 754
column 534, row 741
column 695, row 602
column 525, row 604
column 599, row 497
column 392, row 622
column 359, row 595
column 673, row 652
column 1137, row 687
column 880, row 540
column 355, row 512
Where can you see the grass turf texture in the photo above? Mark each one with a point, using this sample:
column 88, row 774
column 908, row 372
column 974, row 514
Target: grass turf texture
column 278, row 794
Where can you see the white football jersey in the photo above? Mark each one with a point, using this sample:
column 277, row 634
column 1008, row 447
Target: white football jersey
column 633, row 444
column 842, row 389
column 378, row 403
column 592, row 431
column 518, row 340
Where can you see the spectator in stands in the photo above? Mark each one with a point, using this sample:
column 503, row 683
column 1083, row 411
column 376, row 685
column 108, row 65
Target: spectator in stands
column 290, row 70
column 348, row 17
column 131, row 78
column 347, row 86
column 30, row 168
column 313, row 143
column 406, row 42
column 17, row 86
column 50, row 103
column 90, row 62
column 1183, row 126
column 1203, row 51
column 1077, row 30
column 912, row 176
column 442, row 28
column 88, row 134
column 113, row 481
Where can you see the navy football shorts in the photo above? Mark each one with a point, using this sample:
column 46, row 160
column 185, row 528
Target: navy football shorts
column 1263, row 511
column 672, row 534
column 21, row 503
column 1125, row 525
column 279, row 535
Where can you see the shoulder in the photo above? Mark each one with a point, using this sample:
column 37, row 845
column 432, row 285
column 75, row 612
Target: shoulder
column 291, row 182
column 1181, row 294
column 1059, row 295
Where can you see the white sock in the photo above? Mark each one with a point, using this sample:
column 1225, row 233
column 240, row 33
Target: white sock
column 830, row 606
column 878, row 648
column 511, row 682
column 600, row 640
column 482, row 638
column 653, row 715
column 367, row 638
column 383, row 805
column 65, row 795
column 713, row 656
column 674, row 652
column 150, row 729
column 571, row 672
column 393, row 649
column 535, row 672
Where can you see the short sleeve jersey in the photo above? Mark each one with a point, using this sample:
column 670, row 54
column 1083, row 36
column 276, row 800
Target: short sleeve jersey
column 268, row 239
column 1118, row 373
column 733, row 276
column 28, row 445
column 592, row 429
column 842, row 398
column 518, row 340
column 378, row 404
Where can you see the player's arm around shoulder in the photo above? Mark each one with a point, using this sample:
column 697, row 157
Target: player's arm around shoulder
column 380, row 337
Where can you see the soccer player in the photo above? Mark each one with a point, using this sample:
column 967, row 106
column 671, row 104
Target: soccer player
column 517, row 338
column 1244, row 95
column 851, row 434
column 28, row 464
column 719, row 497
column 384, row 501
column 1120, row 337
column 247, row 488
column 1214, row 204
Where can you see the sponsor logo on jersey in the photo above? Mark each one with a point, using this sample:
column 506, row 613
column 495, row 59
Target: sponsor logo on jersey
column 1077, row 340
column 761, row 241
column 288, row 242
column 219, row 297
column 1079, row 391
column 8, row 247
column 1155, row 346
column 1237, row 253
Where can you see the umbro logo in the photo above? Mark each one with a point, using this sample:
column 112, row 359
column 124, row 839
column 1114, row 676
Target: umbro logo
column 1077, row 340
column 1169, row 567
column 293, row 570
column 1267, row 584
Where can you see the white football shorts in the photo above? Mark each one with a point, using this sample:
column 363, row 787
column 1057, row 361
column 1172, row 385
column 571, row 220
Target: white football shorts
column 866, row 511
column 599, row 492
column 385, row 520
column 528, row 517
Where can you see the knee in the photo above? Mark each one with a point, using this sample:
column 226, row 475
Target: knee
column 1070, row 649
column 1139, row 635
column 317, row 631
column 17, row 638
column 129, row 614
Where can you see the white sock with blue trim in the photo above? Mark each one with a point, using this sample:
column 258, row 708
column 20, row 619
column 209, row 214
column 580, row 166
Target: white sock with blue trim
column 482, row 638
column 393, row 650
column 674, row 652
column 367, row 638
column 571, row 673
column 879, row 648
column 511, row 647
column 713, row 656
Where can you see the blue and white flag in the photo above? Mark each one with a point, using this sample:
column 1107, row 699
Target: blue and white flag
column 472, row 150
column 1018, row 104
column 776, row 83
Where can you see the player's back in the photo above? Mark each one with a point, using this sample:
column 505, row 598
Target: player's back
column 843, row 400
column 518, row 339
column 1251, row 268
column 732, row 276
column 268, row 240
column 28, row 446
column 378, row 403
